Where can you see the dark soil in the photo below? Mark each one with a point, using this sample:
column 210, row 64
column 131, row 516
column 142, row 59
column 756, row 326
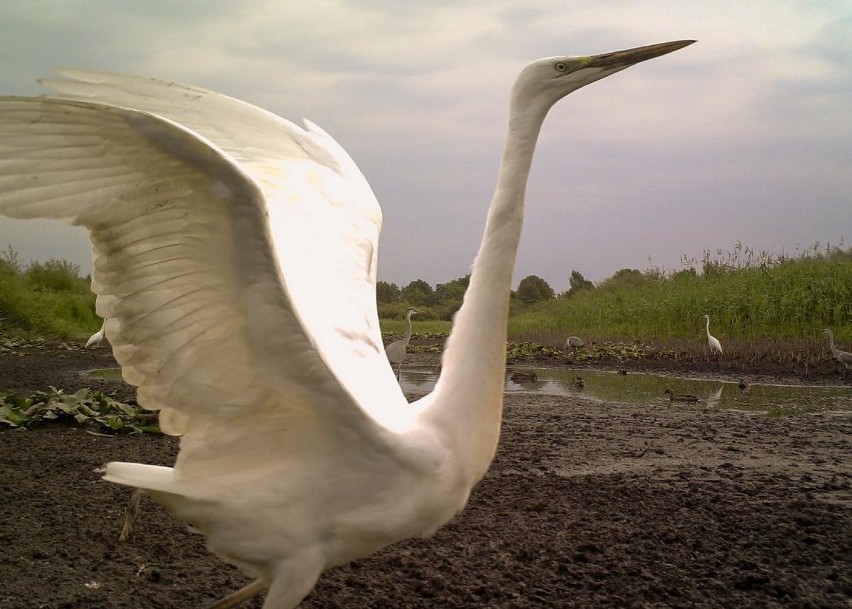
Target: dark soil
column 586, row 505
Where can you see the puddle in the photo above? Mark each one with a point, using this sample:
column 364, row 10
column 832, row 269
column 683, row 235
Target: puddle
column 642, row 389
column 113, row 374
column 648, row 389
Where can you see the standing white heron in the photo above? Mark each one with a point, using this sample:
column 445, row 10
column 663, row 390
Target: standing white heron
column 844, row 357
column 714, row 343
column 225, row 239
column 96, row 338
column 397, row 350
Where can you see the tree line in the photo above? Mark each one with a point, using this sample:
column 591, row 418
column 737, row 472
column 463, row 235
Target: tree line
column 442, row 301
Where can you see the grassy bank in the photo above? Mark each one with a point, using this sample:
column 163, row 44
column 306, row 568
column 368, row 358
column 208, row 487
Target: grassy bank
column 767, row 311
column 768, row 299
column 750, row 298
column 47, row 299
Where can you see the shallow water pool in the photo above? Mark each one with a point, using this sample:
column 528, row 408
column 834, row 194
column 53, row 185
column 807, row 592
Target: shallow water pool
column 641, row 388
column 644, row 388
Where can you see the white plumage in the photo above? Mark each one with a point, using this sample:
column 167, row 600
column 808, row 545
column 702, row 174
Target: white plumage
column 844, row 357
column 572, row 342
column 398, row 349
column 714, row 343
column 96, row 338
column 225, row 240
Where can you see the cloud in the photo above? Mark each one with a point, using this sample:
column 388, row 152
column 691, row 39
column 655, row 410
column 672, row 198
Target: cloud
column 741, row 137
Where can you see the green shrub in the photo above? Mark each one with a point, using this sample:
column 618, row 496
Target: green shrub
column 50, row 299
column 747, row 297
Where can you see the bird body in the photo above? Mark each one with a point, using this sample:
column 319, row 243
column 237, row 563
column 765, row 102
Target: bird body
column 224, row 240
column 398, row 349
column 96, row 338
column 523, row 377
column 572, row 342
column 844, row 357
column 714, row 343
column 680, row 397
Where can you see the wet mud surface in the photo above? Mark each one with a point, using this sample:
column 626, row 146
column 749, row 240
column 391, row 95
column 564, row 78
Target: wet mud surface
column 586, row 505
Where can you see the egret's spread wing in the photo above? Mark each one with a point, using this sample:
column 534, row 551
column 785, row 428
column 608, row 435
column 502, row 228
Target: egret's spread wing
column 249, row 134
column 202, row 317
column 325, row 219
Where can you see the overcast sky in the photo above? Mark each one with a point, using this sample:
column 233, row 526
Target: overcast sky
column 745, row 136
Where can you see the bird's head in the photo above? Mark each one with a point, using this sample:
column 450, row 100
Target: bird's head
column 548, row 80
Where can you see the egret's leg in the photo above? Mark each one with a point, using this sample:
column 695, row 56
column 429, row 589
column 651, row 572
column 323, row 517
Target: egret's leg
column 130, row 513
column 240, row 596
column 294, row 580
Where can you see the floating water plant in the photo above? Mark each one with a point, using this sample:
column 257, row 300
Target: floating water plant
column 85, row 406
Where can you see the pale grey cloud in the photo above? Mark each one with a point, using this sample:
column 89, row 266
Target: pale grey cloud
column 744, row 136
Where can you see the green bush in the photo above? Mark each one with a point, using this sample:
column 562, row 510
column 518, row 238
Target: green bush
column 764, row 297
column 49, row 298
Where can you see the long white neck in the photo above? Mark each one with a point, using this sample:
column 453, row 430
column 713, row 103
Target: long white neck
column 708, row 326
column 407, row 336
column 469, row 394
column 831, row 341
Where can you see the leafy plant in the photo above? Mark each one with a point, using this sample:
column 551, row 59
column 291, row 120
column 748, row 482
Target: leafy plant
column 85, row 406
column 49, row 298
column 749, row 296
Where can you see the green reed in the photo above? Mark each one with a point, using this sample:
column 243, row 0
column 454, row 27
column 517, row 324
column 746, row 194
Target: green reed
column 781, row 299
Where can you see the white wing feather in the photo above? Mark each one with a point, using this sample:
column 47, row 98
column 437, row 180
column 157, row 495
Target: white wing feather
column 325, row 220
column 224, row 337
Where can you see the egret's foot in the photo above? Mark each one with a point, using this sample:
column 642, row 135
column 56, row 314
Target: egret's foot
column 240, row 596
column 130, row 513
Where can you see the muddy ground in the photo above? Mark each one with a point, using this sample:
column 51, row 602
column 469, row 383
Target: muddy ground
column 586, row 505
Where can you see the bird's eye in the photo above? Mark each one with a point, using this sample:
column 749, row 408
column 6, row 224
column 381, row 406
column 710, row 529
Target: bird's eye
column 561, row 66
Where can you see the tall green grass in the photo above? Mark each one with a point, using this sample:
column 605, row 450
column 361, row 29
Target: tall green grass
column 47, row 298
column 779, row 299
column 748, row 297
column 397, row 326
column 759, row 304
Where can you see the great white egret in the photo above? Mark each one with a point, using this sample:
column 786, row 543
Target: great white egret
column 396, row 351
column 225, row 240
column 714, row 343
column 680, row 397
column 96, row 338
column 844, row 357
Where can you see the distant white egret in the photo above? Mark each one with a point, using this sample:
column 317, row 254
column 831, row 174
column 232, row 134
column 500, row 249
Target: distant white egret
column 96, row 338
column 714, row 343
column 844, row 357
column 235, row 256
column 397, row 350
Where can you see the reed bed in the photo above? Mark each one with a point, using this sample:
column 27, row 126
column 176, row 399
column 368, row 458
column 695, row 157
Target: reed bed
column 789, row 300
column 768, row 312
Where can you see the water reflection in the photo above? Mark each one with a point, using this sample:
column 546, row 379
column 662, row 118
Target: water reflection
column 640, row 389
column 649, row 388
